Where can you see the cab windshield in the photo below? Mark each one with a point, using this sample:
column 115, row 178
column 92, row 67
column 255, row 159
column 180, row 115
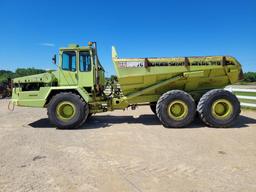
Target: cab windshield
column 69, row 60
column 85, row 61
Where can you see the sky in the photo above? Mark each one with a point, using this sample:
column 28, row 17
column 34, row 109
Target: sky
column 31, row 31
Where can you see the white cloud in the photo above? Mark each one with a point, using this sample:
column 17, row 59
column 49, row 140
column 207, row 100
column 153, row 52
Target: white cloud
column 47, row 44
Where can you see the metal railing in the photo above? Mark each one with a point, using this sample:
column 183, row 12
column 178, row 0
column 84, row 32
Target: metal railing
column 247, row 97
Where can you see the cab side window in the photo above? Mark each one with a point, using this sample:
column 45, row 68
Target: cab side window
column 85, row 61
column 69, row 60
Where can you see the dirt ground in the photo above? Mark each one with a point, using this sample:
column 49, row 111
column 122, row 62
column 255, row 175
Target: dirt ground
column 124, row 151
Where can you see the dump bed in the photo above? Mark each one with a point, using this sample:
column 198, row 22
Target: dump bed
column 193, row 73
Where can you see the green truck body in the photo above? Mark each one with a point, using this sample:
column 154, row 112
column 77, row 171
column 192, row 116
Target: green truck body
column 140, row 81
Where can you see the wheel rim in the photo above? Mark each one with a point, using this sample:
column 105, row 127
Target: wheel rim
column 222, row 109
column 177, row 110
column 65, row 110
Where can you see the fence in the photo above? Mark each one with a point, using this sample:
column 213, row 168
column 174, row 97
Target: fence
column 247, row 97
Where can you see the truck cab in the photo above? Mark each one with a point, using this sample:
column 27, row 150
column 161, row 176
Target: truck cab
column 79, row 71
column 80, row 66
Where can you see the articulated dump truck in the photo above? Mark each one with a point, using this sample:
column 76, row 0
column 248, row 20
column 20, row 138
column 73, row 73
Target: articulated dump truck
column 176, row 89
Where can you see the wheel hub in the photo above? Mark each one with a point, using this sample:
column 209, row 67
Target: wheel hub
column 178, row 110
column 65, row 110
column 222, row 109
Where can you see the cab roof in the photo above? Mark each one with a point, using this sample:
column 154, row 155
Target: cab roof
column 76, row 47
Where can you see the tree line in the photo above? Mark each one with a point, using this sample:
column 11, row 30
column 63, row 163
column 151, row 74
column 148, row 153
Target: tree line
column 250, row 77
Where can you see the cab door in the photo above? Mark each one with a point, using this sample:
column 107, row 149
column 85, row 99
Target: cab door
column 86, row 69
column 68, row 68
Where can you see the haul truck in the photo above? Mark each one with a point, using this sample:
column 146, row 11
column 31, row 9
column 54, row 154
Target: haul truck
column 174, row 88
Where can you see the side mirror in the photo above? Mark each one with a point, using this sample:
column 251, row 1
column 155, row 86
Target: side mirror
column 54, row 59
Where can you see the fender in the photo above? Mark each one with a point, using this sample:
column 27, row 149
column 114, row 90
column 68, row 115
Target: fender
column 81, row 91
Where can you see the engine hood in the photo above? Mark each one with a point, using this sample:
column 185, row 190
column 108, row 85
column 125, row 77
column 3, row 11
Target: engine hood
column 47, row 77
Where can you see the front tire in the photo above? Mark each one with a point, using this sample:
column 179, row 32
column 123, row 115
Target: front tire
column 219, row 108
column 176, row 108
column 67, row 110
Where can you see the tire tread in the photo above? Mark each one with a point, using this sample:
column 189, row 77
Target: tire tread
column 162, row 99
column 201, row 107
column 77, row 98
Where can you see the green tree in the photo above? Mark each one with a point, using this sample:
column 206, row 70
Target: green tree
column 250, row 77
column 20, row 72
column 4, row 75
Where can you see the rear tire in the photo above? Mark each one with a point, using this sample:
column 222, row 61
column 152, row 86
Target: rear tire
column 176, row 108
column 219, row 108
column 67, row 110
